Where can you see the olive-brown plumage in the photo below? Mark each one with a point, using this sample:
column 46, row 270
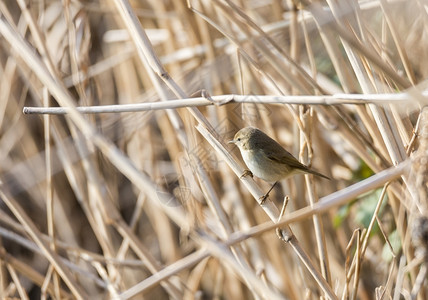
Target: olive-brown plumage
column 266, row 158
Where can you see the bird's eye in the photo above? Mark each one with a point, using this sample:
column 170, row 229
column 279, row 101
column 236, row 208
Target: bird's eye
column 239, row 139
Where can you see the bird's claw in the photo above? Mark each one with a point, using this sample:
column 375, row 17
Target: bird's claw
column 246, row 173
column 263, row 198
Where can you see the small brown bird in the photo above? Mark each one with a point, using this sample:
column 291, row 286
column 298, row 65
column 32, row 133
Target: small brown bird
column 266, row 158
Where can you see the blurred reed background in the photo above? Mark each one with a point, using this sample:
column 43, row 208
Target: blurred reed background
column 151, row 204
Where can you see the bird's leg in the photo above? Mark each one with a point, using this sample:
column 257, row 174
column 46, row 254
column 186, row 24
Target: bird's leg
column 246, row 173
column 263, row 198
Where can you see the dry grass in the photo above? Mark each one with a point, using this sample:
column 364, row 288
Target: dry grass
column 149, row 203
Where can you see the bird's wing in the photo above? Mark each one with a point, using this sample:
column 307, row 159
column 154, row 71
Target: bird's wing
column 278, row 154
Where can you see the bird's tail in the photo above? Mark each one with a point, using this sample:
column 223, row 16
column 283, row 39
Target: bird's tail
column 317, row 173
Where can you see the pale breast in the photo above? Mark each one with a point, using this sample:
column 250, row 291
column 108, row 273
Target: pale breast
column 263, row 167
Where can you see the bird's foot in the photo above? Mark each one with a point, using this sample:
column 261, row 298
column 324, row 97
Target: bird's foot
column 246, row 173
column 263, row 198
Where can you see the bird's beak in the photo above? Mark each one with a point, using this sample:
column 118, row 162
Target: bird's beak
column 231, row 142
